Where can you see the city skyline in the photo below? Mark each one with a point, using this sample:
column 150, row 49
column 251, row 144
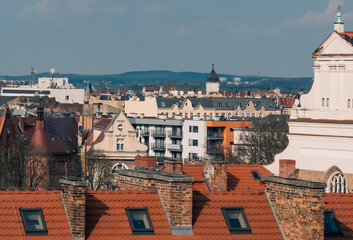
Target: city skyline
column 266, row 37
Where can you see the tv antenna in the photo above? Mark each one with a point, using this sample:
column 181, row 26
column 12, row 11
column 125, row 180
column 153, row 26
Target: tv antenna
column 52, row 71
column 33, row 73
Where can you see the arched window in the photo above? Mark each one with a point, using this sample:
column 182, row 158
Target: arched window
column 337, row 183
column 119, row 166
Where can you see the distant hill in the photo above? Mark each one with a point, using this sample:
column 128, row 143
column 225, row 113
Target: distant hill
column 158, row 77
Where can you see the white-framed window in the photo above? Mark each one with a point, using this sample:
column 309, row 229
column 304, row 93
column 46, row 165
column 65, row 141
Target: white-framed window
column 67, row 98
column 193, row 142
column 193, row 156
column 348, row 103
column 323, row 102
column 120, row 144
column 327, row 102
column 119, row 166
column 337, row 183
column 194, row 129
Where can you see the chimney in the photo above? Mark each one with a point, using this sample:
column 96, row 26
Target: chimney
column 40, row 117
column 339, row 25
column 175, row 192
column 215, row 175
column 298, row 206
column 286, row 167
column 73, row 196
column 173, row 166
column 147, row 163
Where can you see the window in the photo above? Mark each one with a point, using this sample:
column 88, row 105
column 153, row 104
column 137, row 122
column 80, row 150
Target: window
column 331, row 225
column 120, row 144
column 236, row 220
column 119, row 166
column 193, row 142
column 337, row 183
column 348, row 103
column 327, row 102
column 194, row 129
column 67, row 98
column 256, row 175
column 33, row 222
column 260, row 115
column 163, row 104
column 323, row 102
column 193, row 156
column 140, row 222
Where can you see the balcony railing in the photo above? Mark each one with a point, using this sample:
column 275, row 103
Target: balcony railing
column 158, row 146
column 145, row 132
column 175, row 147
column 215, row 136
column 175, row 134
column 158, row 133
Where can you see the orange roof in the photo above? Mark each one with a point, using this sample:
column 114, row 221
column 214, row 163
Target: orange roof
column 209, row 222
column 106, row 216
column 342, row 205
column 240, row 179
column 51, row 205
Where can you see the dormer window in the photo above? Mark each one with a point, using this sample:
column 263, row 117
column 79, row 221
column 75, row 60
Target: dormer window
column 256, row 175
column 33, row 222
column 140, row 221
column 163, row 104
column 236, row 220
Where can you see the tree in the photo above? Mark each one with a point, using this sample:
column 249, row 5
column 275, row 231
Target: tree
column 263, row 140
column 99, row 171
column 23, row 167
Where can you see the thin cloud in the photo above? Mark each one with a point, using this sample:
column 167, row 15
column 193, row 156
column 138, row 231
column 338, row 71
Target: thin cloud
column 39, row 9
column 312, row 18
column 119, row 10
column 154, row 9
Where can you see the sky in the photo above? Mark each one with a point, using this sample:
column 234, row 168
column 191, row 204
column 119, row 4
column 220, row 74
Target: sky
column 246, row 37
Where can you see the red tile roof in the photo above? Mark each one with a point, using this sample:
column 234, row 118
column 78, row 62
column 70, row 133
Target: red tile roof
column 342, row 205
column 240, row 179
column 106, row 216
column 103, row 123
column 209, row 222
column 11, row 225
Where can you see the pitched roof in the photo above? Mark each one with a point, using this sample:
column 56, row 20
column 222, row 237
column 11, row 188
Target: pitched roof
column 348, row 36
column 341, row 204
column 106, row 215
column 48, row 201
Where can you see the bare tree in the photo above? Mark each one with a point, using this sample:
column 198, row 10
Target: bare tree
column 23, row 167
column 263, row 140
column 99, row 171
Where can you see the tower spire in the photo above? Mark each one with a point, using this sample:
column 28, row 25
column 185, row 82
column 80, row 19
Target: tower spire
column 339, row 25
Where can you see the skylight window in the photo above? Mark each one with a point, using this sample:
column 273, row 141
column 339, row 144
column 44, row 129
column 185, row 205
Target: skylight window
column 140, row 222
column 332, row 227
column 236, row 220
column 256, row 175
column 33, row 222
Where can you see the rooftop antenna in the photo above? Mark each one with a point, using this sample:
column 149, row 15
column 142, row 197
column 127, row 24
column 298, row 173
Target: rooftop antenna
column 33, row 73
column 52, row 71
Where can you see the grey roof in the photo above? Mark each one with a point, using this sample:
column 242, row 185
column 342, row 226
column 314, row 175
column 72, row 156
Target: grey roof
column 6, row 99
column 217, row 103
column 156, row 121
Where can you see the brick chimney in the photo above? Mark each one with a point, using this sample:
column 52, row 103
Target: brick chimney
column 73, row 196
column 298, row 206
column 145, row 163
column 173, row 166
column 174, row 191
column 286, row 167
column 215, row 175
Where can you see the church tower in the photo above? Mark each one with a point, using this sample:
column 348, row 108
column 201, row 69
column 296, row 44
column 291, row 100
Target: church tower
column 212, row 83
column 321, row 121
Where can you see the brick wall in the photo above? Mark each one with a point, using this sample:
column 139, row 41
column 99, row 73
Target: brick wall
column 298, row 206
column 175, row 191
column 286, row 167
column 215, row 175
column 173, row 166
column 74, row 200
column 145, row 163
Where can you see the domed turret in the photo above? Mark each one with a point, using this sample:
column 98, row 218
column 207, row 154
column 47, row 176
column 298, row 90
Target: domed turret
column 213, row 77
column 212, row 83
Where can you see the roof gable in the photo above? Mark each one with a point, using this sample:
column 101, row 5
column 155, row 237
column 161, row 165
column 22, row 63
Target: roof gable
column 334, row 45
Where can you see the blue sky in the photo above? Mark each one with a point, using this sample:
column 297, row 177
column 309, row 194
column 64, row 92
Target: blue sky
column 248, row 37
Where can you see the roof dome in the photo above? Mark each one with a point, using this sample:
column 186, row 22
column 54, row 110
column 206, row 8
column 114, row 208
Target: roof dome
column 213, row 77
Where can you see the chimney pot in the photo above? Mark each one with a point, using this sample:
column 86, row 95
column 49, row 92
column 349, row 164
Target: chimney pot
column 286, row 167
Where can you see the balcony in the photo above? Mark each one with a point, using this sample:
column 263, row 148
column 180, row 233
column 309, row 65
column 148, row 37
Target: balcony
column 214, row 136
column 175, row 134
column 145, row 132
column 175, row 147
column 158, row 147
column 158, row 133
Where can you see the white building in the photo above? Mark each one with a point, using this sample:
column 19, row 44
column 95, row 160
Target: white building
column 194, row 139
column 212, row 83
column 58, row 88
column 321, row 122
